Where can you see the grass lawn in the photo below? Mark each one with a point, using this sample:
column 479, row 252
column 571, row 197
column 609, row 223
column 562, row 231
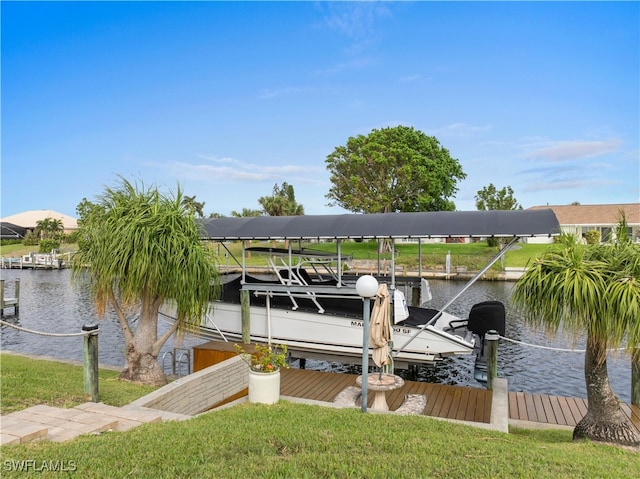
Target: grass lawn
column 472, row 255
column 25, row 382
column 288, row 440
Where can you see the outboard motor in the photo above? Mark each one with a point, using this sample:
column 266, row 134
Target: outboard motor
column 484, row 317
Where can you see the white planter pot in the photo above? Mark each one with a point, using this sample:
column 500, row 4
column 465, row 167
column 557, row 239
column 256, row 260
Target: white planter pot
column 264, row 387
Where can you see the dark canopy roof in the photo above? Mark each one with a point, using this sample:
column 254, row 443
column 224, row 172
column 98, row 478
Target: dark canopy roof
column 441, row 224
column 11, row 231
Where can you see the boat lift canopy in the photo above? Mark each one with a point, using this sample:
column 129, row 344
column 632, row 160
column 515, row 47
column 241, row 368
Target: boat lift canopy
column 438, row 224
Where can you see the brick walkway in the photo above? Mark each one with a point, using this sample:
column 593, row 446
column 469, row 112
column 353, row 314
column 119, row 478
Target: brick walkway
column 61, row 424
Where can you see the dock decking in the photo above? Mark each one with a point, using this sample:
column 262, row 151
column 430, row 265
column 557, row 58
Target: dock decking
column 450, row 402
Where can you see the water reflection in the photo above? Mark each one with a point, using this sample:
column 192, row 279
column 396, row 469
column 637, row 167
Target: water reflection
column 50, row 302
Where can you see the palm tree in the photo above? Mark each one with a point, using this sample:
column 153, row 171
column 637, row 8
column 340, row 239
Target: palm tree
column 195, row 206
column 246, row 212
column 49, row 228
column 144, row 248
column 592, row 289
column 282, row 202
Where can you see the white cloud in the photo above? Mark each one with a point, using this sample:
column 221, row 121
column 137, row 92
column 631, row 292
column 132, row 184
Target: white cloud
column 568, row 184
column 226, row 169
column 573, row 150
column 411, row 78
column 354, row 20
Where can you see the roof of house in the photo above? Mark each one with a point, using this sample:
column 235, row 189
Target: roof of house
column 29, row 219
column 592, row 215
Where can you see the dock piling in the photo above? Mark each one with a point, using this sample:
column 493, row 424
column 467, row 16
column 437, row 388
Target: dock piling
column 246, row 316
column 492, row 338
column 91, row 362
column 10, row 302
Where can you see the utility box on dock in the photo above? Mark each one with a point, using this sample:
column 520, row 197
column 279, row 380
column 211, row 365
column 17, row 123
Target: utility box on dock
column 215, row 352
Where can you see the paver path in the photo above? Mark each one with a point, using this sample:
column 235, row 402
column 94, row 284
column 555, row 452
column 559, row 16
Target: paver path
column 61, row 424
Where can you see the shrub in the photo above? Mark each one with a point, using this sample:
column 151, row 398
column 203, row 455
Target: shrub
column 30, row 239
column 592, row 237
column 47, row 245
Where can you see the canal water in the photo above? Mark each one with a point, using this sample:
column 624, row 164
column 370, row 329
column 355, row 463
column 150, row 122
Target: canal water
column 51, row 303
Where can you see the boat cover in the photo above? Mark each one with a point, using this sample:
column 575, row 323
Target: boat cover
column 437, row 224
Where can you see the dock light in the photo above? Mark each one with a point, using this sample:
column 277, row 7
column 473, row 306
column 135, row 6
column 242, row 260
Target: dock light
column 367, row 287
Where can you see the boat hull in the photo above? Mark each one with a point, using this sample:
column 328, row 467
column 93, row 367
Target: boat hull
column 327, row 336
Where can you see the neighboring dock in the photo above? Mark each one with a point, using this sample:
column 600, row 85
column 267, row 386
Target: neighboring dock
column 35, row 261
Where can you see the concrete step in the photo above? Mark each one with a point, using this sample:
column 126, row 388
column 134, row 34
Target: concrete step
column 60, row 424
column 64, row 424
column 14, row 430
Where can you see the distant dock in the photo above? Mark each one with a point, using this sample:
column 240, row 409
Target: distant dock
column 35, row 261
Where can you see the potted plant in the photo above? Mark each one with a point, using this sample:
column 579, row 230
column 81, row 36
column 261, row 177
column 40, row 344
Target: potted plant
column 264, row 371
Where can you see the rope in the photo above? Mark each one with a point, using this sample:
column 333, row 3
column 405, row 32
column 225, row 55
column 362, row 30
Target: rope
column 84, row 333
column 550, row 348
column 543, row 347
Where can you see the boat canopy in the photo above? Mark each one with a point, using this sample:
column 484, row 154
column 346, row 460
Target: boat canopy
column 438, row 224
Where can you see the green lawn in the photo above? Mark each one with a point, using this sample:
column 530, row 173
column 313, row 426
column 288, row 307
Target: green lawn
column 26, row 382
column 472, row 255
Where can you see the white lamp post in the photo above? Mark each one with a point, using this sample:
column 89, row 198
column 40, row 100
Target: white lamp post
column 367, row 287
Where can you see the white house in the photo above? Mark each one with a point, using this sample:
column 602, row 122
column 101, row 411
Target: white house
column 578, row 219
column 29, row 219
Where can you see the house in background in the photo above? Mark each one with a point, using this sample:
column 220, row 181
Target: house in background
column 578, row 219
column 29, row 220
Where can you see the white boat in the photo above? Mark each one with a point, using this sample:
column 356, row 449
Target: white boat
column 307, row 303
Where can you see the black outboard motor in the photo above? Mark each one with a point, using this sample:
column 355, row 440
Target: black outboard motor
column 484, row 317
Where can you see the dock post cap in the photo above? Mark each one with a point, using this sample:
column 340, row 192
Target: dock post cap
column 492, row 335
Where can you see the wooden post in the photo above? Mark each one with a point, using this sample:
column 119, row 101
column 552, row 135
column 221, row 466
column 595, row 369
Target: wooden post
column 91, row 362
column 246, row 316
column 415, row 295
column 492, row 357
column 635, row 377
column 1, row 298
column 17, row 293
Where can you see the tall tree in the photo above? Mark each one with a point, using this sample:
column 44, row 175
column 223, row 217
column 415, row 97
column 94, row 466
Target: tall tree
column 49, row 228
column 490, row 198
column 592, row 290
column 143, row 248
column 282, row 202
column 396, row 169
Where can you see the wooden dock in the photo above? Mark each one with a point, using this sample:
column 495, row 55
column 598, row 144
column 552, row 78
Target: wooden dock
column 450, row 402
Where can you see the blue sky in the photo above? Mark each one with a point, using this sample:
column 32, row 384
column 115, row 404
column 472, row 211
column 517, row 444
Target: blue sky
column 227, row 99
